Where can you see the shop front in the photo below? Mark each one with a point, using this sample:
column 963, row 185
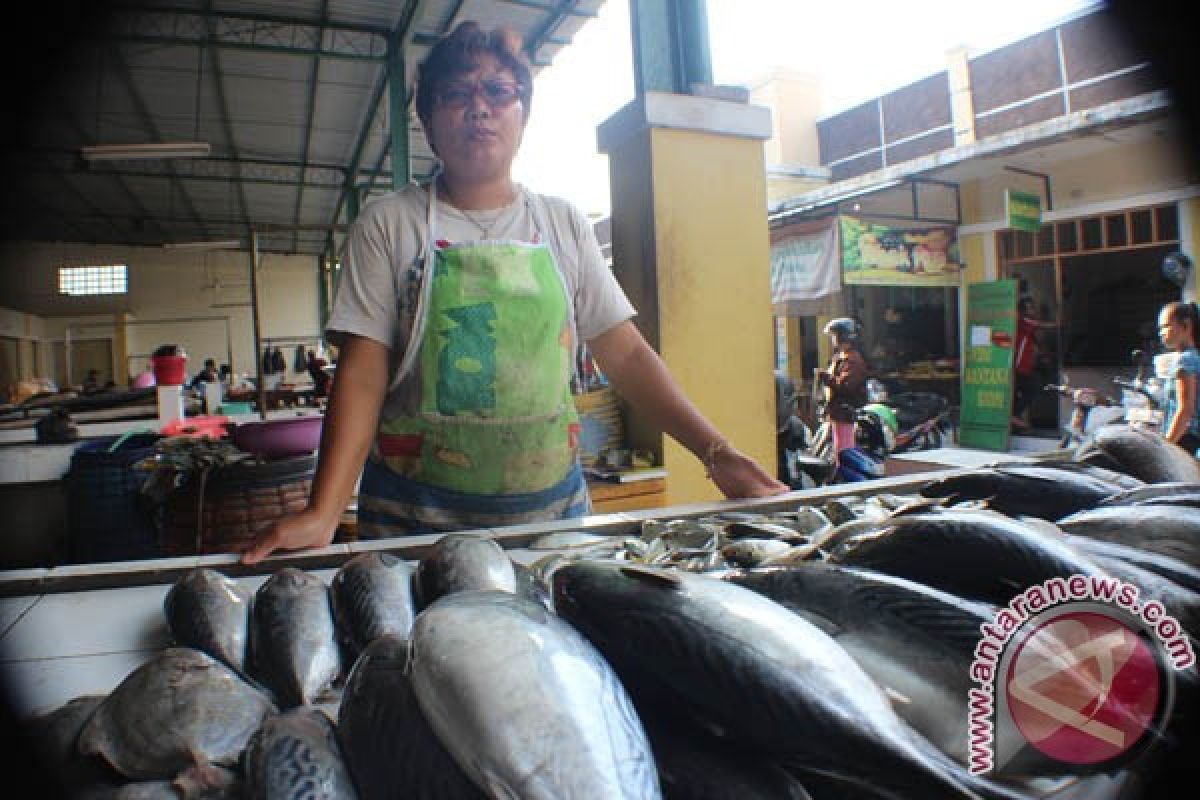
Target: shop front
column 898, row 275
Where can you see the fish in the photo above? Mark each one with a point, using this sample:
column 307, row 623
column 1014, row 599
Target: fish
column 390, row 749
column 206, row 782
column 532, row 587
column 460, row 561
column 752, row 672
column 296, row 755
column 180, row 709
column 1174, row 570
column 915, row 641
column 979, row 555
column 1036, row 490
column 208, row 611
column 525, row 704
column 752, row 552
column 293, row 638
column 1144, row 454
column 565, row 540
column 54, row 740
column 1180, row 603
column 1149, row 492
column 372, row 595
column 1168, row 530
column 694, row 766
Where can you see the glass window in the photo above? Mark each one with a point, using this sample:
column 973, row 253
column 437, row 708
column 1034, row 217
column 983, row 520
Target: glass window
column 1142, row 223
column 1168, row 223
column 1114, row 229
column 83, row 281
column 1066, row 237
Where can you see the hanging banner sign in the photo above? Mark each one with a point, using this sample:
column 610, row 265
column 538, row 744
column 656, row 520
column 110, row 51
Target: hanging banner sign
column 883, row 256
column 1024, row 210
column 987, row 379
column 804, row 273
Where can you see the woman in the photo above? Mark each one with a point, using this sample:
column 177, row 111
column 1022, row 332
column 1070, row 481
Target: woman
column 454, row 381
column 845, row 382
column 1177, row 326
column 1025, row 361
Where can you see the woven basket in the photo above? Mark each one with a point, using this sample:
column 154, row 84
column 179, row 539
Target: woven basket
column 223, row 511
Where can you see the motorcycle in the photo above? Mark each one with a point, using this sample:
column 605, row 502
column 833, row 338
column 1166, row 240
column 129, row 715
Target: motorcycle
column 806, row 458
column 1140, row 405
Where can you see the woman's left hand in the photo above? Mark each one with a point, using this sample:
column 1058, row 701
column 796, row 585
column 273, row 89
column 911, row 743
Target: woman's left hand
column 739, row 476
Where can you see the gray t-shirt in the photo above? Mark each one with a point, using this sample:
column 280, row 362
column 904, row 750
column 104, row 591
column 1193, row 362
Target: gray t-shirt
column 378, row 288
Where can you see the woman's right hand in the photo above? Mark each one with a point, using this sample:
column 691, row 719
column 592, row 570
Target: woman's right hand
column 294, row 532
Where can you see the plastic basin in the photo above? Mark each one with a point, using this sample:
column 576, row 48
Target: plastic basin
column 279, row 438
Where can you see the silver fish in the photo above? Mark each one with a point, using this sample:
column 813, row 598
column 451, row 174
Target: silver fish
column 459, row 562
column 210, row 612
column 1169, row 530
column 390, row 749
column 563, row 540
column 372, row 596
column 1145, row 455
column 180, row 709
column 293, row 638
column 752, row 552
column 294, row 755
column 526, row 705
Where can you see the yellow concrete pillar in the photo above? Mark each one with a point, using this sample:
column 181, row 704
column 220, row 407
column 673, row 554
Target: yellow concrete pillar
column 120, row 349
column 691, row 249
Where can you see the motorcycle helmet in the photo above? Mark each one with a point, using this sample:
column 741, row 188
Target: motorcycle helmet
column 856, row 465
column 873, row 433
column 845, row 328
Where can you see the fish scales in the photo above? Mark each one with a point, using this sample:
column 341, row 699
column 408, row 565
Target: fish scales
column 294, row 638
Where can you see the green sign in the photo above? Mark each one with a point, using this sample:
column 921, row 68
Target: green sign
column 987, row 378
column 1024, row 210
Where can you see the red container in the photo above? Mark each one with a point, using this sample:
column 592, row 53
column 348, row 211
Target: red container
column 169, row 370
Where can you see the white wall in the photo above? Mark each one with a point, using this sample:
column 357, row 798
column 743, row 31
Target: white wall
column 168, row 285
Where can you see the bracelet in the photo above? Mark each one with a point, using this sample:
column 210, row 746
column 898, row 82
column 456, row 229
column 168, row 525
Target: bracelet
column 714, row 449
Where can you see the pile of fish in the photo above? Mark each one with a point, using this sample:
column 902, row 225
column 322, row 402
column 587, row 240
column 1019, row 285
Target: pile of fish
column 821, row 652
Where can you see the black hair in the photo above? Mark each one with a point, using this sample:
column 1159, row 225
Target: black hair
column 1183, row 311
column 459, row 52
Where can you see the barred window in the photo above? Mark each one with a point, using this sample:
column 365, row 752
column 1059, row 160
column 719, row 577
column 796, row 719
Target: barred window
column 106, row 279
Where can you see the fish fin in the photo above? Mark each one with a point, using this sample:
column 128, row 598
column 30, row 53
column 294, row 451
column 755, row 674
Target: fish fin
column 495, row 786
column 897, row 699
column 653, row 577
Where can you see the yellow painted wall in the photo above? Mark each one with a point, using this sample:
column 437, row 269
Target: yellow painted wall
column 714, row 295
column 1189, row 230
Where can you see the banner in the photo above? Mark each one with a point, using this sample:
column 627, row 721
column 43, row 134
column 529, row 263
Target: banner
column 882, row 256
column 985, row 413
column 1024, row 210
column 805, row 279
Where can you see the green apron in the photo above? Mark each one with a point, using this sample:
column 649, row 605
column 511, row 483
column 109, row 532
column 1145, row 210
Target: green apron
column 491, row 359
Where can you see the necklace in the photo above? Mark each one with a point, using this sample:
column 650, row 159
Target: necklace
column 484, row 230
column 485, row 227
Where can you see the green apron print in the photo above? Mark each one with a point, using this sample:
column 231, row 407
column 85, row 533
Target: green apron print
column 495, row 405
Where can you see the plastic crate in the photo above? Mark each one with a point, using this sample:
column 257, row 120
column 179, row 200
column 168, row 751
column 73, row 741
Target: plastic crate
column 108, row 518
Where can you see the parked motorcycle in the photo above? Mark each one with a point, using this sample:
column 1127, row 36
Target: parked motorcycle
column 805, row 456
column 1140, row 404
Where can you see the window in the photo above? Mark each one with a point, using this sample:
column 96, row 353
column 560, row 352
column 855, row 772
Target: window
column 81, row 281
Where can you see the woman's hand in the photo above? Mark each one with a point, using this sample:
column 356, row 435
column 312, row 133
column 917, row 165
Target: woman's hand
column 739, row 476
column 295, row 532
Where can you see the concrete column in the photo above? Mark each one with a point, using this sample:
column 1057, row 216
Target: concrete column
column 962, row 105
column 691, row 248
column 1189, row 241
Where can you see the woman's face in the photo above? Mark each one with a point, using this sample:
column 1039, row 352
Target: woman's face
column 1172, row 332
column 477, row 122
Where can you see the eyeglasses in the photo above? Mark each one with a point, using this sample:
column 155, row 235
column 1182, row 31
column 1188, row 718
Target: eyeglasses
column 497, row 94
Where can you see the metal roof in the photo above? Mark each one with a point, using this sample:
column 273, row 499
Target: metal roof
column 292, row 96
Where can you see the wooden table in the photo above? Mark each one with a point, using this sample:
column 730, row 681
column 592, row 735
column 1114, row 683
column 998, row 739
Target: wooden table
column 610, row 497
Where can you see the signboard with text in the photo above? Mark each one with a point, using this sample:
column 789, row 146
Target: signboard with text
column 987, row 378
column 1024, row 210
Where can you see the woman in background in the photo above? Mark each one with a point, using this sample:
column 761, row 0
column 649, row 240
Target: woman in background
column 1177, row 323
column 846, row 382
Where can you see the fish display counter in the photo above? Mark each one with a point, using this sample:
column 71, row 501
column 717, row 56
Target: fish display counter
column 810, row 644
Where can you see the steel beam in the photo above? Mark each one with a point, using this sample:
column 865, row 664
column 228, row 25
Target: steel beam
column 670, row 45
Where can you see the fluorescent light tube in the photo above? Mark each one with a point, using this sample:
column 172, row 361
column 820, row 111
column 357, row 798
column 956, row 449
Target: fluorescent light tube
column 224, row 244
column 126, row 152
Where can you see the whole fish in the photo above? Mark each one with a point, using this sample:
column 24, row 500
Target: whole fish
column 1036, row 490
column 293, row 639
column 296, row 754
column 459, row 562
column 1169, row 530
column 743, row 665
column 1150, row 491
column 531, row 587
column 182, row 708
column 979, row 555
column 566, row 540
column 525, row 705
column 54, row 737
column 752, row 552
column 206, row 782
column 207, row 611
column 371, row 597
column 915, row 641
column 1180, row 603
column 1144, row 454
column 392, row 752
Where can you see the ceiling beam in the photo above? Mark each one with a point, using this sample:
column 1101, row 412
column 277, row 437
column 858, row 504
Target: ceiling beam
column 541, row 34
column 310, row 109
column 227, row 124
